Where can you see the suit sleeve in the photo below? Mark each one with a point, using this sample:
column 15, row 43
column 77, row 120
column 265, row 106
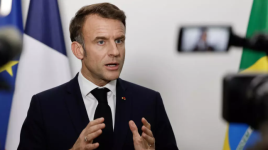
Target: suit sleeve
column 32, row 135
column 164, row 137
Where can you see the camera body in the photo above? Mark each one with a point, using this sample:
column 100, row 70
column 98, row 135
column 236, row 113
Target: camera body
column 245, row 98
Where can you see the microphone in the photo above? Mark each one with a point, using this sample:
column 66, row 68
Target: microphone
column 10, row 44
column 258, row 42
column 10, row 47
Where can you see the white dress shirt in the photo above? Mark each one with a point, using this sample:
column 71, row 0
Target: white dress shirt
column 90, row 101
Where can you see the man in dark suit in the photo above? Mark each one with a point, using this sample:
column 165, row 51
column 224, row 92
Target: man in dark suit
column 97, row 109
column 202, row 44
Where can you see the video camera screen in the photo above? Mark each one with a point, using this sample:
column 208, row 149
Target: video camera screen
column 204, row 39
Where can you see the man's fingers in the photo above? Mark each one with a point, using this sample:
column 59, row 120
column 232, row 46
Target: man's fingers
column 147, row 134
column 150, row 140
column 147, row 131
column 146, row 123
column 94, row 125
column 134, row 129
column 92, row 146
column 90, row 137
column 94, row 128
column 94, row 122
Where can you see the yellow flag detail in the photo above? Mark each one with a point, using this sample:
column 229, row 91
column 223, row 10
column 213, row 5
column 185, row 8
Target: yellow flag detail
column 260, row 66
column 8, row 67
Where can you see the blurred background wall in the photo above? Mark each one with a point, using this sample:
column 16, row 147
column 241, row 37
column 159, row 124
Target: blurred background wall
column 190, row 84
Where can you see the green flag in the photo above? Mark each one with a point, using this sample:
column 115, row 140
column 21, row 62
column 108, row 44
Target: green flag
column 258, row 22
column 239, row 137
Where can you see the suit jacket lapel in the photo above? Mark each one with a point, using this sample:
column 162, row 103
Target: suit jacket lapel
column 122, row 114
column 76, row 106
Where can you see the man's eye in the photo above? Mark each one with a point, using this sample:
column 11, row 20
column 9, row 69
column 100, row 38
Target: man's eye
column 100, row 42
column 118, row 41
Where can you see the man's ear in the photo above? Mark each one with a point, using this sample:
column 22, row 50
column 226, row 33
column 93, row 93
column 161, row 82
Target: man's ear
column 77, row 50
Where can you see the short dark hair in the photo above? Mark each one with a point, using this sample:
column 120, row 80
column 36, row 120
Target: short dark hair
column 105, row 10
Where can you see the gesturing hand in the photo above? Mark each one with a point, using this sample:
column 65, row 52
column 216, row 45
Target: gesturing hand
column 146, row 141
column 85, row 140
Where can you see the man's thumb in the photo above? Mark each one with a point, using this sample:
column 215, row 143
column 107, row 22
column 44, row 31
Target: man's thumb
column 134, row 129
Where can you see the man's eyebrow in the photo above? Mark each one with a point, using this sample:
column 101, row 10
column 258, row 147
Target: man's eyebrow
column 105, row 38
column 121, row 37
column 100, row 37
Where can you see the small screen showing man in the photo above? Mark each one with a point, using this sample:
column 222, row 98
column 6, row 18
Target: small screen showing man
column 201, row 39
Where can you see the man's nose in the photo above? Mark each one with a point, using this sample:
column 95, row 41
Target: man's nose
column 113, row 50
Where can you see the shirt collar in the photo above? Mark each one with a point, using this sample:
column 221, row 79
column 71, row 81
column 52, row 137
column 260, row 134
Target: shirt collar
column 87, row 86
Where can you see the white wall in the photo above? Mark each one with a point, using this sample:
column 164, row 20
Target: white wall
column 190, row 85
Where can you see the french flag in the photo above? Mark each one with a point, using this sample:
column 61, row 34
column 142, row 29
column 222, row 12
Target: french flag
column 43, row 63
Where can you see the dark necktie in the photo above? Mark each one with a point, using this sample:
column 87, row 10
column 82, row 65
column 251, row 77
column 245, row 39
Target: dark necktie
column 105, row 140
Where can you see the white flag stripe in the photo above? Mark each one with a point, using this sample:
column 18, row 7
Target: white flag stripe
column 40, row 68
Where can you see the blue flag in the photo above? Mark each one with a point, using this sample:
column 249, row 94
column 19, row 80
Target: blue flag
column 10, row 16
column 43, row 62
column 44, row 24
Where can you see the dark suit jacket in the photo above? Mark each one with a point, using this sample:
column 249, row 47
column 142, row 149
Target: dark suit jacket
column 56, row 118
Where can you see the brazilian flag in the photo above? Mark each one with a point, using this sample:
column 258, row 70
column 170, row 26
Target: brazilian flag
column 238, row 136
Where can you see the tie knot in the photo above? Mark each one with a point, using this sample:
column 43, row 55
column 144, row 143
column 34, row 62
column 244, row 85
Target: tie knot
column 100, row 94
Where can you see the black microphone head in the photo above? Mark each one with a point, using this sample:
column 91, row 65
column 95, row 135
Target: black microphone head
column 10, row 44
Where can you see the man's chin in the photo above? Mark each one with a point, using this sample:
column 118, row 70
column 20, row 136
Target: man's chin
column 112, row 77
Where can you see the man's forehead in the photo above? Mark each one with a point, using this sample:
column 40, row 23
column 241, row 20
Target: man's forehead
column 99, row 25
column 106, row 29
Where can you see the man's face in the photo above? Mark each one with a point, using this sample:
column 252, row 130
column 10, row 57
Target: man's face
column 105, row 48
column 204, row 36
